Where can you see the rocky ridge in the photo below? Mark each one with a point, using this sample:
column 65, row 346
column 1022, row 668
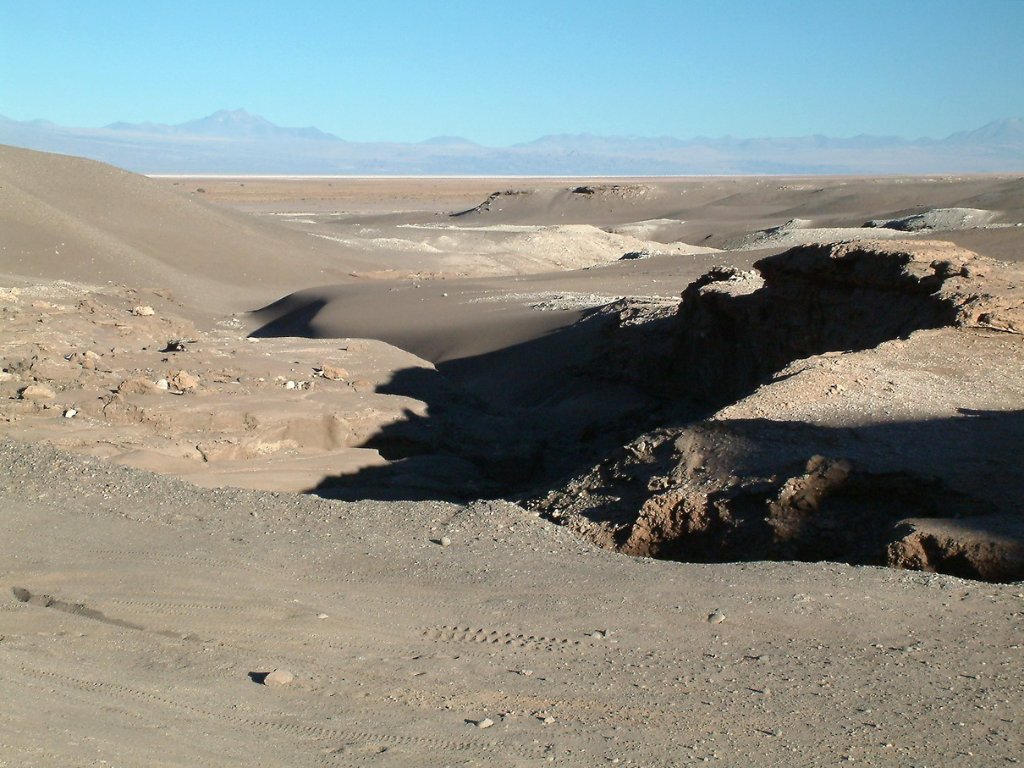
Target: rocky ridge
column 868, row 400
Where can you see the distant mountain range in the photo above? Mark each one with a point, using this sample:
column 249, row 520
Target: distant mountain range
column 236, row 124
column 229, row 142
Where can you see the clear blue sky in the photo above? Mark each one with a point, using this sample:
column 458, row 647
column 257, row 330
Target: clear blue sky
column 502, row 71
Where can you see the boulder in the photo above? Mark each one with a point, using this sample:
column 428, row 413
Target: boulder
column 36, row 392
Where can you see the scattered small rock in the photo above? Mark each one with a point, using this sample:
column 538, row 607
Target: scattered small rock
column 321, row 615
column 333, row 372
column 70, row 413
column 87, row 359
column 290, row 385
column 137, row 386
column 183, row 381
column 279, row 677
column 175, row 345
column 485, row 723
column 445, row 541
column 163, row 384
column 716, row 618
column 36, row 392
column 143, row 311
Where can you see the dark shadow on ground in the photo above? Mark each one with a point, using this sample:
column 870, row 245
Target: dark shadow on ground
column 292, row 318
column 516, row 419
column 511, row 421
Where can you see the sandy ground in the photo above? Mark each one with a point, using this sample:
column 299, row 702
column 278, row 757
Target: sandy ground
column 410, row 356
column 164, row 599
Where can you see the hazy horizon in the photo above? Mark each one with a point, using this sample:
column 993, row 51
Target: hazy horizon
column 499, row 76
column 238, row 142
column 243, row 111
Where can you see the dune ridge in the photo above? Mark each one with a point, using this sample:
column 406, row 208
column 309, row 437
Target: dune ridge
column 72, row 219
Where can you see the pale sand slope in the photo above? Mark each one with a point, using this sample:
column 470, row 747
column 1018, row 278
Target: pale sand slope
column 450, row 228
column 267, row 412
column 447, row 250
column 513, row 337
column 163, row 598
column 65, row 218
column 240, row 426
column 751, row 214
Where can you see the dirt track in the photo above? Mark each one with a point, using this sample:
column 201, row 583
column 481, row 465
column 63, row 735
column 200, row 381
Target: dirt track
column 166, row 597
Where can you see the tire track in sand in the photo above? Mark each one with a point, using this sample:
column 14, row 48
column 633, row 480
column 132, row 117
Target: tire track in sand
column 303, row 731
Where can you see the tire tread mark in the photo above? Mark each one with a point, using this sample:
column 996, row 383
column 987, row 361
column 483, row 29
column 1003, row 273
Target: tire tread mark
column 482, row 636
column 309, row 731
column 157, row 606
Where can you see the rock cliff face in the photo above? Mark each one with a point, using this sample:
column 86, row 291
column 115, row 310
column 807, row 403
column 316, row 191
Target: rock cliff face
column 734, row 329
column 870, row 402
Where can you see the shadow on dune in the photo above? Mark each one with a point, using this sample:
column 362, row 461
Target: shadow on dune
column 532, row 412
column 516, row 419
column 291, row 318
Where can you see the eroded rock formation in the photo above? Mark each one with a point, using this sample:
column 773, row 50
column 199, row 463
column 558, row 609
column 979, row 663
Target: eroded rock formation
column 843, row 479
column 734, row 329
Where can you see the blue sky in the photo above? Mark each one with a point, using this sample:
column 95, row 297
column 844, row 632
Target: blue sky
column 501, row 71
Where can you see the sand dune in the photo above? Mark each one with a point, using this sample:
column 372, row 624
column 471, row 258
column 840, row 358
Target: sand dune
column 65, row 218
column 708, row 212
column 931, row 221
column 527, row 347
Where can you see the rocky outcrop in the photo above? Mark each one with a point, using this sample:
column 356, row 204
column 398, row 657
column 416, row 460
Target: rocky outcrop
column 943, row 283
column 991, row 548
column 844, row 479
column 734, row 331
column 485, row 206
column 739, row 490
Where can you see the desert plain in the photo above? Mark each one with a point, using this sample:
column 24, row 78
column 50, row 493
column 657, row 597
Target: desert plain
column 508, row 472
